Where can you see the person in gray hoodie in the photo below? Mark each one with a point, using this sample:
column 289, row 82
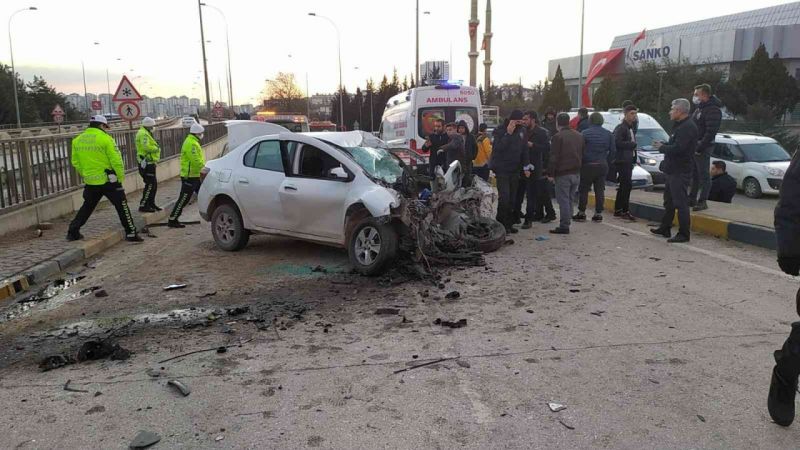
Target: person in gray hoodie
column 599, row 144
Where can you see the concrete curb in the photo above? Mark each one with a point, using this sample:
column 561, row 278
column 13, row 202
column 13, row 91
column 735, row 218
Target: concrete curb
column 703, row 223
column 23, row 281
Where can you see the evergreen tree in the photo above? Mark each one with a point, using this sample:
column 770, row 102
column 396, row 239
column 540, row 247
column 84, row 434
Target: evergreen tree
column 766, row 81
column 556, row 96
column 606, row 96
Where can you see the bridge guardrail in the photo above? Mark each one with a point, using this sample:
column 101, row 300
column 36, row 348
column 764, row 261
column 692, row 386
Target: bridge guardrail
column 35, row 168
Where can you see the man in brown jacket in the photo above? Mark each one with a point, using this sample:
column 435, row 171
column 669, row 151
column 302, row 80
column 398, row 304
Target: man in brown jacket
column 566, row 150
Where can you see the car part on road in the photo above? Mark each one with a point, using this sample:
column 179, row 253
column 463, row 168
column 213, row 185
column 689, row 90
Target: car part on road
column 446, row 323
column 72, row 389
column 556, row 407
column 173, row 287
column 569, row 427
column 144, row 439
column 227, row 227
column 429, row 363
column 452, row 295
column 180, row 387
column 94, row 350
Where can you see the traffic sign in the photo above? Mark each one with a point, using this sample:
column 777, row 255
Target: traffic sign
column 126, row 92
column 217, row 111
column 97, row 105
column 129, row 111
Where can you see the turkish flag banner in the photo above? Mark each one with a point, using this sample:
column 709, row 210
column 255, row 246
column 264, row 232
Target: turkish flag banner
column 600, row 61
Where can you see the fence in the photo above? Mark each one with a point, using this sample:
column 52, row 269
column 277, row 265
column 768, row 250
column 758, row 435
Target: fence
column 35, row 168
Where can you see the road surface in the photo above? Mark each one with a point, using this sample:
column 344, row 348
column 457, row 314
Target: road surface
column 648, row 345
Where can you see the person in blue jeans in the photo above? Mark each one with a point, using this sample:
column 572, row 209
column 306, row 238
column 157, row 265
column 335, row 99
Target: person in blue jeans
column 599, row 144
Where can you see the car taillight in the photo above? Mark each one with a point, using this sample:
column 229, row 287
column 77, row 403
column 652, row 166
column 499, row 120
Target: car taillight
column 203, row 173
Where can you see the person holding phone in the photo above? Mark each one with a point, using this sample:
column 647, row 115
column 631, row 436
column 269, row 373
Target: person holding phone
column 433, row 142
column 509, row 156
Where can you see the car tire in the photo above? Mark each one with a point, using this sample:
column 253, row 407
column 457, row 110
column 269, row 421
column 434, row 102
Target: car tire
column 372, row 246
column 495, row 239
column 751, row 187
column 227, row 227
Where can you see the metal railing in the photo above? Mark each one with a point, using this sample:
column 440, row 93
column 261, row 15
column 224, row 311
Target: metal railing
column 35, row 168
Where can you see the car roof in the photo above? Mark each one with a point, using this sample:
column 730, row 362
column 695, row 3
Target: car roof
column 348, row 138
column 743, row 138
column 614, row 117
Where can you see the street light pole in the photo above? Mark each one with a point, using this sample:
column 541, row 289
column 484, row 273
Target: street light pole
column 416, row 66
column 13, row 68
column 205, row 65
column 661, row 74
column 227, row 51
column 85, row 93
column 339, row 45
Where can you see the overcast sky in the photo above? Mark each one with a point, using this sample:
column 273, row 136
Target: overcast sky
column 158, row 41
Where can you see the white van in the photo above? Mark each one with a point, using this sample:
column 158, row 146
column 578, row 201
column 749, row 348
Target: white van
column 409, row 116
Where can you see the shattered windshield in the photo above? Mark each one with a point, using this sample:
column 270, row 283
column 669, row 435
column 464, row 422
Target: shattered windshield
column 378, row 162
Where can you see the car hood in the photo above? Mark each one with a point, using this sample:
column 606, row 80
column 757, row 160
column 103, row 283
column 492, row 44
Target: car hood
column 783, row 165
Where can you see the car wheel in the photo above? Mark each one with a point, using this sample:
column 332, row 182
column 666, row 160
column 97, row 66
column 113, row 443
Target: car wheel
column 227, row 228
column 752, row 188
column 486, row 235
column 372, row 247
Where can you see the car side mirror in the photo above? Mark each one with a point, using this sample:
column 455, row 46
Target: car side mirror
column 339, row 173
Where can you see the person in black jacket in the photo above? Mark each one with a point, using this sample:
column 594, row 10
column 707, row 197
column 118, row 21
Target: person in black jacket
column 538, row 141
column 708, row 118
column 787, row 360
column 509, row 156
column 723, row 186
column 433, row 142
column 624, row 159
column 470, row 149
column 677, row 166
column 549, row 122
column 545, row 190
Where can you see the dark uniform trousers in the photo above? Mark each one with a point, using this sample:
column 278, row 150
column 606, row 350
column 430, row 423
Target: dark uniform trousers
column 189, row 186
column 92, row 195
column 148, row 174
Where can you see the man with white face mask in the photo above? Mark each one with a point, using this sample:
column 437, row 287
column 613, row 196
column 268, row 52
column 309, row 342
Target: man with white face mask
column 708, row 118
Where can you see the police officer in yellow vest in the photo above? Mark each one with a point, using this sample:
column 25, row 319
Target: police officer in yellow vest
column 99, row 163
column 148, row 153
column 192, row 161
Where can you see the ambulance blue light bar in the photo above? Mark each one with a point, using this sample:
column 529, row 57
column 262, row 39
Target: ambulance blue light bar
column 449, row 84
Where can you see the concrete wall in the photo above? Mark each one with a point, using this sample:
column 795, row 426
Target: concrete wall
column 69, row 202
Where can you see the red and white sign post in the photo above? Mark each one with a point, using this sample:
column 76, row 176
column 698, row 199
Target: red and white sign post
column 128, row 98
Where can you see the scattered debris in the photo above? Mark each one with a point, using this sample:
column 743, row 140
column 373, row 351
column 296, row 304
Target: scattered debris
column 101, row 293
column 655, row 259
column 542, row 238
column 702, row 419
column 221, row 349
column 574, row 290
column 93, row 350
column 237, row 310
column 207, row 294
column 144, row 439
column 95, row 410
column 446, row 323
column 182, row 388
column 556, row 407
column 685, row 261
column 625, row 234
column 597, row 313
column 72, row 389
column 55, row 361
column 319, row 269
column 529, row 311
column 173, row 287
column 463, row 363
column 653, row 381
column 219, row 438
column 387, row 312
column 569, row 427
column 452, row 295
column 429, row 363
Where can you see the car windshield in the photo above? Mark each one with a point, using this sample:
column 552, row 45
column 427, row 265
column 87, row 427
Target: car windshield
column 765, row 152
column 646, row 136
column 377, row 162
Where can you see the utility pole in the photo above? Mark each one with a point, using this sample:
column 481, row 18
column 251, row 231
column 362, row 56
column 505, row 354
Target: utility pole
column 416, row 66
column 473, row 43
column 580, row 70
column 487, row 42
column 205, row 65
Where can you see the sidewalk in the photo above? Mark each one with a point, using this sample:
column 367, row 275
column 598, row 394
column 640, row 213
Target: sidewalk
column 752, row 226
column 26, row 258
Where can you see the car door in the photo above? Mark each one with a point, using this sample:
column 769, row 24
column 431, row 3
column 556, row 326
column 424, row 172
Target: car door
column 257, row 183
column 733, row 157
column 312, row 199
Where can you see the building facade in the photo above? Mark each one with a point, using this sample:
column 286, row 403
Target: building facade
column 725, row 42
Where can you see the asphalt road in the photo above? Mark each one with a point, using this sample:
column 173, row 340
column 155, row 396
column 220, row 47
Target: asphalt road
column 648, row 345
column 767, row 202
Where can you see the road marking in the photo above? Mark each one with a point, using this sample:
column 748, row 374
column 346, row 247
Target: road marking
column 710, row 253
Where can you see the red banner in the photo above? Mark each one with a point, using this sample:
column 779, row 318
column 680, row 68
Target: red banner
column 600, row 61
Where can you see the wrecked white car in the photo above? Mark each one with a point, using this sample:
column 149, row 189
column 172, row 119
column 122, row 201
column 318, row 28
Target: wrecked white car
column 338, row 188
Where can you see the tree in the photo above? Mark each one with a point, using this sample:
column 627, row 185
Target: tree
column 284, row 92
column 766, row 82
column 607, row 95
column 556, row 96
column 735, row 100
column 42, row 98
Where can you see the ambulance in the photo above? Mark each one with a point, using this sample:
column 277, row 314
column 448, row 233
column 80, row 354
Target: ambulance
column 409, row 116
